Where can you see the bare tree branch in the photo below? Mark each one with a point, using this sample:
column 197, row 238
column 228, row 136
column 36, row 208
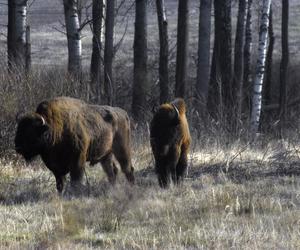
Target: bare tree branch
column 118, row 44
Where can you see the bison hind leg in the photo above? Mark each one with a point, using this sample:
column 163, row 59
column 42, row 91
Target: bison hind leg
column 122, row 154
column 110, row 168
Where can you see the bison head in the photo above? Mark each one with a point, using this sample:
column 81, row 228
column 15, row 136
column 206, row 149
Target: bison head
column 166, row 116
column 29, row 139
column 163, row 128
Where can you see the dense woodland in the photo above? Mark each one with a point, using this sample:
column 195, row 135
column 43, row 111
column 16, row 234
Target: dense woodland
column 234, row 83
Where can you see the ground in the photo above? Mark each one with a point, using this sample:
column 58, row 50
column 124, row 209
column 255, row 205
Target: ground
column 240, row 197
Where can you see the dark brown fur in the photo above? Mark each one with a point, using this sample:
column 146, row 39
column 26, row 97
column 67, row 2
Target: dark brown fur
column 170, row 141
column 75, row 132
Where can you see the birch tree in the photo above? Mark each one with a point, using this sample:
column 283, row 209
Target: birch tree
column 16, row 34
column 260, row 69
column 73, row 37
column 163, row 51
column 247, row 90
column 182, row 48
column 97, row 15
column 109, row 52
column 269, row 62
column 203, row 54
column 140, row 81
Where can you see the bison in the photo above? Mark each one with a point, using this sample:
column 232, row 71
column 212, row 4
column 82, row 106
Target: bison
column 67, row 132
column 170, row 141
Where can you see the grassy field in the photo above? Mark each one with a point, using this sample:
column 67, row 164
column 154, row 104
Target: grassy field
column 235, row 196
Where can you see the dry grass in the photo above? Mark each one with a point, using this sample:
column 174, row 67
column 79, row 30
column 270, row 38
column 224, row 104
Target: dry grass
column 249, row 201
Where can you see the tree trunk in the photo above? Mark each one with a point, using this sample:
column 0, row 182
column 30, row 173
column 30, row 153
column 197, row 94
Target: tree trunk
column 220, row 91
column 247, row 90
column 260, row 68
column 11, row 35
column 226, row 61
column 140, row 81
column 266, row 116
column 163, row 51
column 203, row 54
column 97, row 12
column 79, row 9
column 214, row 102
column 214, row 91
column 182, row 48
column 28, row 51
column 269, row 62
column 73, row 36
column 109, row 52
column 284, row 63
column 16, row 42
column 238, row 61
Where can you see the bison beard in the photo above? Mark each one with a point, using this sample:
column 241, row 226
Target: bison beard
column 170, row 140
column 67, row 132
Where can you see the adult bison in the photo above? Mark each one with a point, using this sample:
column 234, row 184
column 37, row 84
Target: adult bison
column 170, row 141
column 67, row 132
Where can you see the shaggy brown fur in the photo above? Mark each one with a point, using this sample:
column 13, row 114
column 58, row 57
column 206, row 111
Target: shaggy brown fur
column 67, row 132
column 170, row 141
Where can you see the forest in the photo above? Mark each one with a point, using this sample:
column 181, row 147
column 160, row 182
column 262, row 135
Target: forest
column 227, row 68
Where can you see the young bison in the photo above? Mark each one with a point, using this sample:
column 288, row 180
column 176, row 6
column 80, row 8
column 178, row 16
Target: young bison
column 170, row 141
column 67, row 132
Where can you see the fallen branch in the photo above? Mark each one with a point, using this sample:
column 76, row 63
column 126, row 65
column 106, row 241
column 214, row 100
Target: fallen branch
column 276, row 105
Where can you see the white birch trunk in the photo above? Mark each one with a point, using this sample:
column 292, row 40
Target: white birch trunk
column 73, row 36
column 247, row 59
column 20, row 29
column 102, row 35
column 260, row 68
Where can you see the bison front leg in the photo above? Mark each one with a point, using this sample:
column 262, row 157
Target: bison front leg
column 181, row 166
column 76, row 172
column 165, row 168
column 60, row 180
column 163, row 174
column 173, row 159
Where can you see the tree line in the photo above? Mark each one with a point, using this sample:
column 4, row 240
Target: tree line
column 226, row 89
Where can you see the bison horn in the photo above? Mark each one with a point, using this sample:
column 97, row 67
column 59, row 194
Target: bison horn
column 43, row 121
column 176, row 109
